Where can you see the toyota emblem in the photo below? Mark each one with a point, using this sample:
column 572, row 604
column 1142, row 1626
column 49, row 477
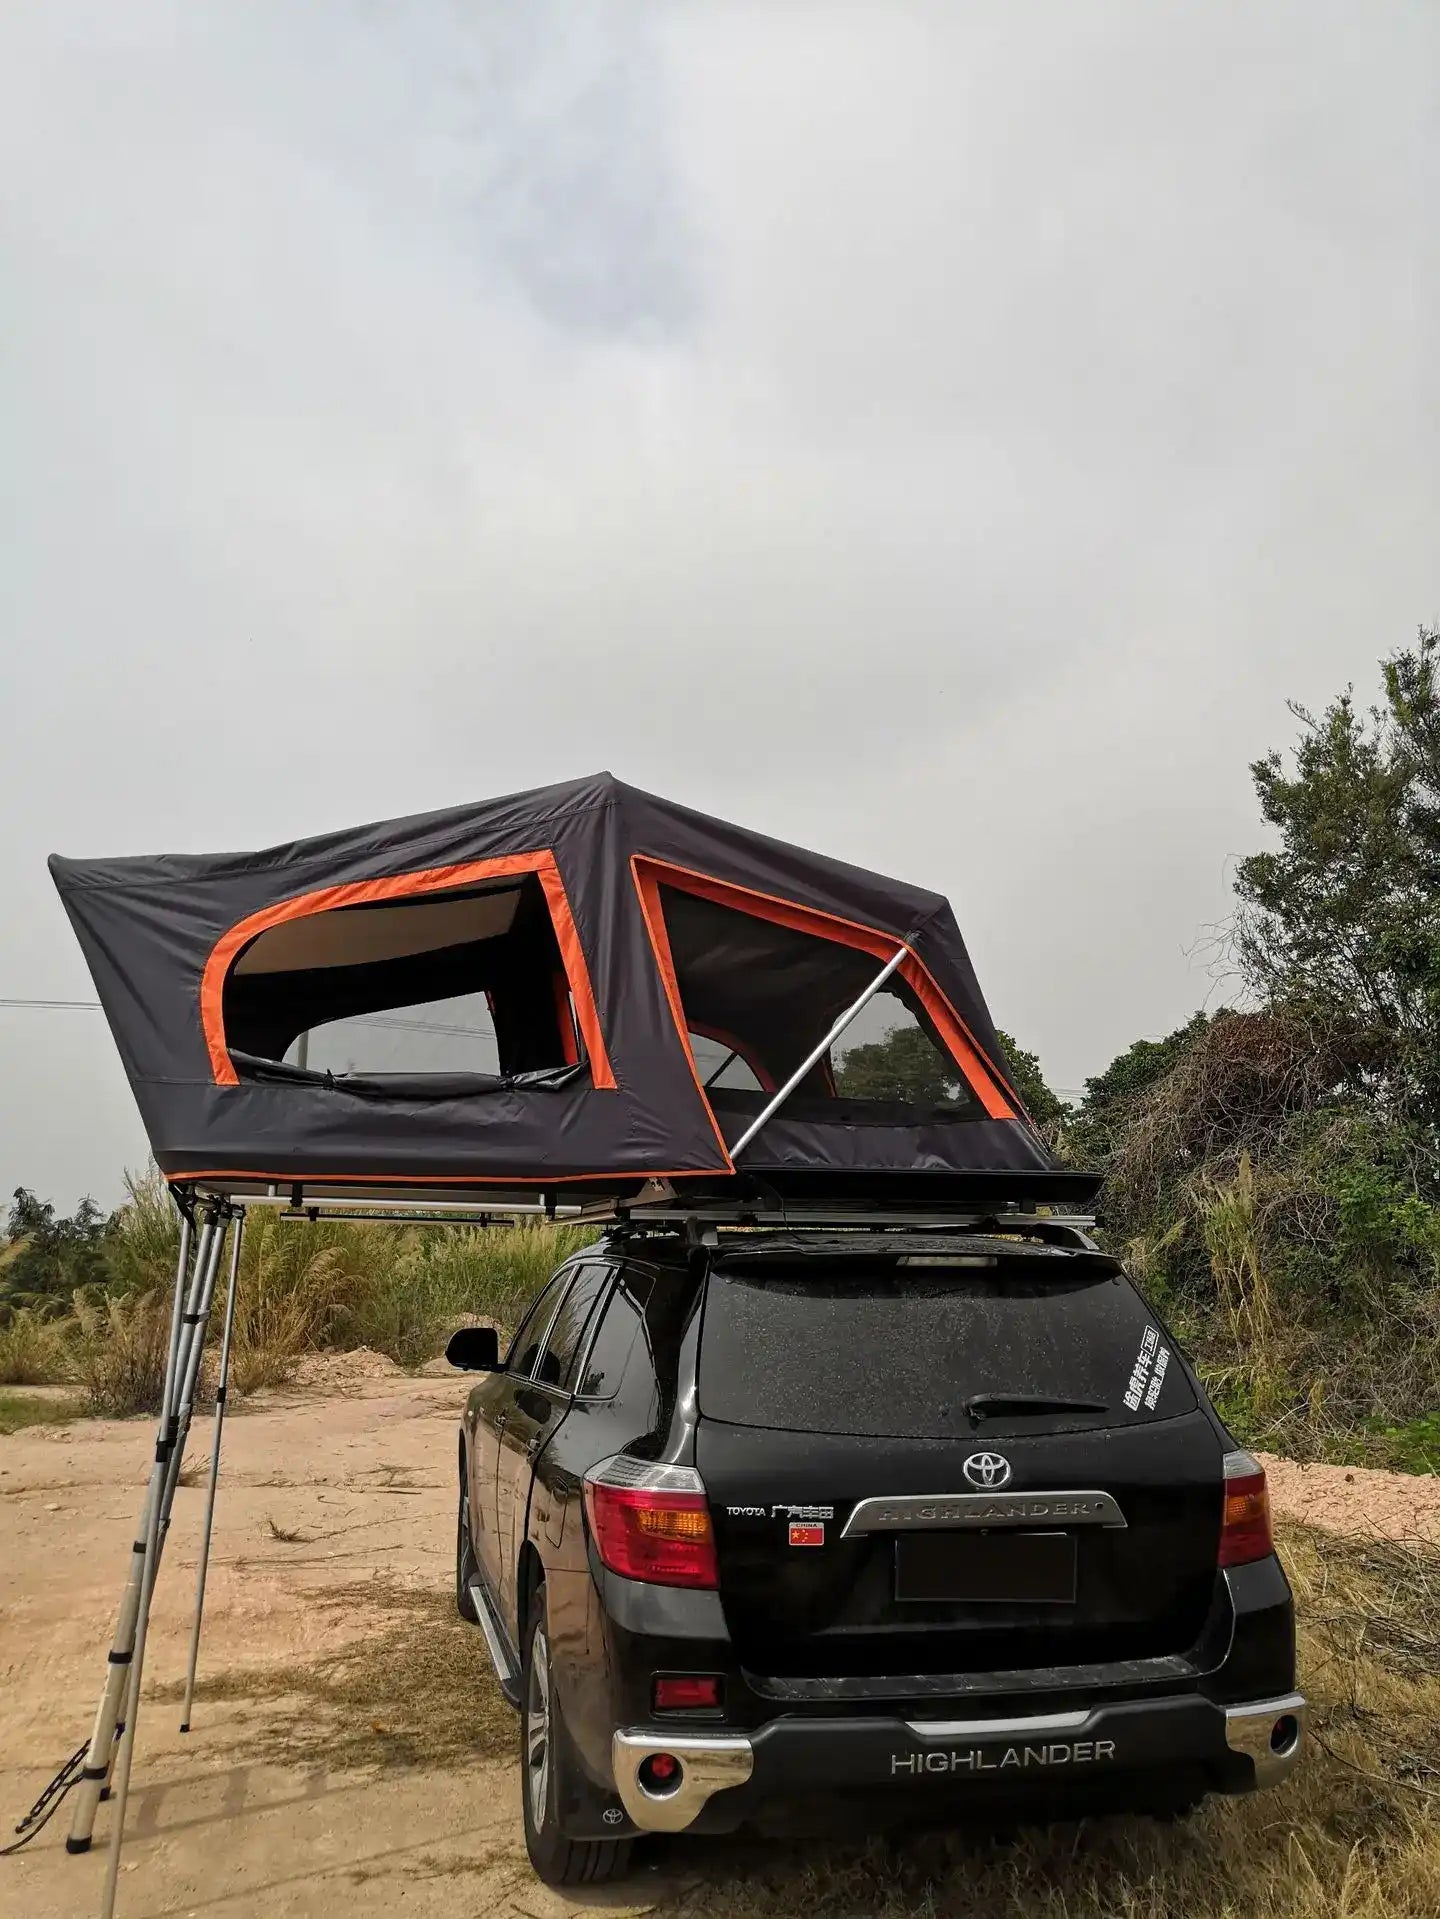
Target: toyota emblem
column 987, row 1470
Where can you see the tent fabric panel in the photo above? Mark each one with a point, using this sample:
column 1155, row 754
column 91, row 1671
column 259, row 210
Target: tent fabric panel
column 790, row 1143
column 547, row 1133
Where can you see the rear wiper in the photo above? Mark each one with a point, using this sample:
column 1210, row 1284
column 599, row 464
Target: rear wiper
column 997, row 1405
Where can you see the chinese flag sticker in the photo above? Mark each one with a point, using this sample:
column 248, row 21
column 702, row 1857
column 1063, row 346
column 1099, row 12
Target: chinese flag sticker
column 806, row 1533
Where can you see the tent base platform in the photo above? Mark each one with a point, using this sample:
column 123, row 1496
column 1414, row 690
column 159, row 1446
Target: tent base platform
column 821, row 1195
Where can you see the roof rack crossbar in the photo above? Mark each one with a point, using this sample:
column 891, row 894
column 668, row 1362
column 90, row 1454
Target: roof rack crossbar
column 679, row 1213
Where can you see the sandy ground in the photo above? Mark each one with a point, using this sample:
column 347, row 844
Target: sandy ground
column 1349, row 1499
column 365, row 1475
column 353, row 1468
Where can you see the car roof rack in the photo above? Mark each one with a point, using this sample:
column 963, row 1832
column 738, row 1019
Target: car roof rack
column 659, row 1210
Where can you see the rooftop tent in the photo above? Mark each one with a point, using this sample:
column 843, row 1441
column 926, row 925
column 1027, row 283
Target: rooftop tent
column 575, row 989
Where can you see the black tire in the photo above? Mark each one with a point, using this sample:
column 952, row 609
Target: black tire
column 547, row 1762
column 465, row 1568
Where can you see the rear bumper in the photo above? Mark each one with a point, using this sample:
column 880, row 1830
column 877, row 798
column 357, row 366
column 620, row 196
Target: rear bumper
column 1132, row 1751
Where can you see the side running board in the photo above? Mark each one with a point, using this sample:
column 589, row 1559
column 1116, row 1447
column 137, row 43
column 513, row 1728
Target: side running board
column 495, row 1645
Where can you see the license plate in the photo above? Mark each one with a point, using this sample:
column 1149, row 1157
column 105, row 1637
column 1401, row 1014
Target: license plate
column 983, row 1568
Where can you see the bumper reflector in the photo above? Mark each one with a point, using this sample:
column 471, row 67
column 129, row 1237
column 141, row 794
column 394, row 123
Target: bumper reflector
column 687, row 1692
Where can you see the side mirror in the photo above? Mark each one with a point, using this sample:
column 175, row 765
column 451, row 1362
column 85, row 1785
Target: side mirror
column 474, row 1349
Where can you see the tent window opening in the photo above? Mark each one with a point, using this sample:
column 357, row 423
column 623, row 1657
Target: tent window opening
column 723, row 1064
column 771, row 992
column 408, row 994
column 435, row 1036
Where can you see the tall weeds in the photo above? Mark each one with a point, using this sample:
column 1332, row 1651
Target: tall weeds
column 1229, row 1215
column 34, row 1348
column 304, row 1286
column 122, row 1340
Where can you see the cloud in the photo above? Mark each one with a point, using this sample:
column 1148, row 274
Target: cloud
column 941, row 435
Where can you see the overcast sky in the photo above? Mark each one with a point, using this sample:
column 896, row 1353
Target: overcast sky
column 941, row 435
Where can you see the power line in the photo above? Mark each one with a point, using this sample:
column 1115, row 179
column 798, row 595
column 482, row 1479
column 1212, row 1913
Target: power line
column 392, row 1025
column 73, row 1005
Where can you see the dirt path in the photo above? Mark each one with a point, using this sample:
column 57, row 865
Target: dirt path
column 277, row 1802
column 350, row 1754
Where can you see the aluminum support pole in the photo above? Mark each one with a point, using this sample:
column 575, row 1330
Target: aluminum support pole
column 187, row 1384
column 90, row 1789
column 181, row 1375
column 221, row 1391
column 817, row 1054
column 180, row 1387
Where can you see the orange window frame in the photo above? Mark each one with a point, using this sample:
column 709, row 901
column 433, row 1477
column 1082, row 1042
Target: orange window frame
column 430, row 879
column 980, row 1075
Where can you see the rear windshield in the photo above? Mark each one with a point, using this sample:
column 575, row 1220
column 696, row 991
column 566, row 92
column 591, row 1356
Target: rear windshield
column 932, row 1352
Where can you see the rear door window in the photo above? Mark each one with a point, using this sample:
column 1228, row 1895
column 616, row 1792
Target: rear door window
column 525, row 1347
column 931, row 1352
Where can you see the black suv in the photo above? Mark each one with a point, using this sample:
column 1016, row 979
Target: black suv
column 935, row 1524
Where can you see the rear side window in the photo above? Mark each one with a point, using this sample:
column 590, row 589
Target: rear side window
column 562, row 1348
column 609, row 1354
column 932, row 1353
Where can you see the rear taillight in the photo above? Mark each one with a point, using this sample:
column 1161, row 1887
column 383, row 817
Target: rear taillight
column 651, row 1522
column 1245, row 1525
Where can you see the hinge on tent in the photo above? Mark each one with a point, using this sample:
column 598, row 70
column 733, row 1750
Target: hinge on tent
column 652, row 1191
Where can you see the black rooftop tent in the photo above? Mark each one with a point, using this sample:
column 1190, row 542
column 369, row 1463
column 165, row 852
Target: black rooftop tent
column 568, row 992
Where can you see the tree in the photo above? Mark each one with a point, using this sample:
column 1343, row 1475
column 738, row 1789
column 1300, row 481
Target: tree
column 1344, row 916
column 49, row 1254
column 1113, row 1097
column 905, row 1065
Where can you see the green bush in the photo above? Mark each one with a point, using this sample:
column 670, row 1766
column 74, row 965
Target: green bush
column 419, row 1283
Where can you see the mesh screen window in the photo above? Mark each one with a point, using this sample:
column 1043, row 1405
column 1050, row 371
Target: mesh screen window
column 761, row 996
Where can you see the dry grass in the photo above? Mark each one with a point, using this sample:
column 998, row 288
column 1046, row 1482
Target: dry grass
column 1354, row 1835
column 121, row 1344
column 287, row 1537
column 418, row 1693
column 304, row 1287
column 34, row 1349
